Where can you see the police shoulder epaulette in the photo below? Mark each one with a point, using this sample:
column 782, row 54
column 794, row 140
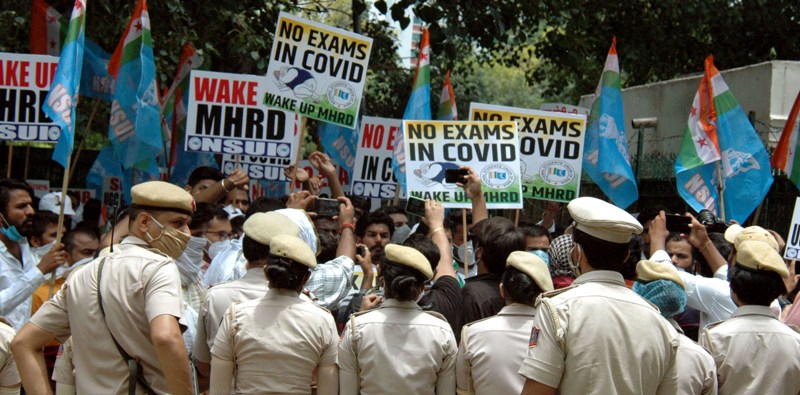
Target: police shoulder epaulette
column 321, row 308
column 712, row 325
column 358, row 313
column 480, row 320
column 435, row 314
column 559, row 291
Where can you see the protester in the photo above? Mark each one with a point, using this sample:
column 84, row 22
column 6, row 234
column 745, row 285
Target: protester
column 662, row 287
column 238, row 198
column 413, row 355
column 51, row 203
column 755, row 281
column 480, row 368
column 246, row 358
column 21, row 272
column 43, row 233
column 537, row 238
column 561, row 270
column 142, row 321
column 209, row 185
column 597, row 333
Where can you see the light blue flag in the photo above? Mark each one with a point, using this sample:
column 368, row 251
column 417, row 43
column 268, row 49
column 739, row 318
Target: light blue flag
column 97, row 83
column 105, row 165
column 135, row 123
column 605, row 154
column 339, row 143
column 61, row 101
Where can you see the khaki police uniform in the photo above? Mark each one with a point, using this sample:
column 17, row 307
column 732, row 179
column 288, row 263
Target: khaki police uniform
column 754, row 352
column 276, row 343
column 138, row 285
column 218, row 299
column 9, row 376
column 697, row 373
column 492, row 350
column 598, row 336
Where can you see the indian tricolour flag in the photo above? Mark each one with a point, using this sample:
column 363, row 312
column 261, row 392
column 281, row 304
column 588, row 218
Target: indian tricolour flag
column 447, row 102
column 700, row 145
column 785, row 157
column 45, row 29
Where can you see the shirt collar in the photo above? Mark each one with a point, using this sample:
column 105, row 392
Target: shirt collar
column 282, row 292
column 675, row 325
column 518, row 309
column 753, row 310
column 601, row 276
column 408, row 304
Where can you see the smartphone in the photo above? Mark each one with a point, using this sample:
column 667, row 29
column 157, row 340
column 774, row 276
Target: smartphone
column 678, row 223
column 361, row 251
column 415, row 206
column 327, row 207
column 452, row 176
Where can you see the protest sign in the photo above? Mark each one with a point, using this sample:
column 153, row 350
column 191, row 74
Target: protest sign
column 792, row 250
column 372, row 174
column 565, row 108
column 112, row 196
column 257, row 167
column 489, row 148
column 317, row 70
column 24, row 84
column 40, row 187
column 551, row 149
column 225, row 117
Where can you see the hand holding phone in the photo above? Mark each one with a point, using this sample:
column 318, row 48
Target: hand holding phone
column 415, row 206
column 678, row 223
column 454, row 176
column 327, row 207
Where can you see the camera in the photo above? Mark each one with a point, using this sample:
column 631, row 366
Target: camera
column 711, row 222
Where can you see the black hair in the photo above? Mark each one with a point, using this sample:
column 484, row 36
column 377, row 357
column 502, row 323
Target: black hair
column 264, row 204
column 649, row 213
column 518, row 287
column 204, row 173
column 40, row 222
column 635, row 247
column 456, row 219
column 424, row 229
column 284, row 273
column 255, row 252
column 536, row 231
column 701, row 265
column 204, row 213
column 601, row 254
column 361, row 204
column 237, row 225
column 328, row 244
column 392, row 210
column 426, row 246
column 91, row 211
column 401, row 282
column 69, row 236
column 373, row 218
column 755, row 287
column 499, row 238
column 6, row 186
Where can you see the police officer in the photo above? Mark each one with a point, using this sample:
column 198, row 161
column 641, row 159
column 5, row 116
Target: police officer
column 124, row 306
column 398, row 348
column 275, row 343
column 663, row 287
column 755, row 353
column 595, row 336
column 492, row 349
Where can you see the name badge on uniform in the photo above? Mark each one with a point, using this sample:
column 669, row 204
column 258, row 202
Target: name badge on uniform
column 534, row 337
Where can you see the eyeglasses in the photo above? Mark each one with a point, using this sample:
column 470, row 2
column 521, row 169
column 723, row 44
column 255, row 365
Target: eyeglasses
column 221, row 235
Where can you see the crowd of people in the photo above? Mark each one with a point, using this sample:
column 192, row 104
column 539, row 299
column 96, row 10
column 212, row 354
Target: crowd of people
column 197, row 289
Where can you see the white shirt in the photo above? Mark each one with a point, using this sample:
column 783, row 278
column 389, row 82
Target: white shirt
column 18, row 281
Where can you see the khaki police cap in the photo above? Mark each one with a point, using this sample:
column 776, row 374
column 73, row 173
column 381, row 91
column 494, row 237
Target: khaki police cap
column 533, row 266
column 603, row 220
column 647, row 271
column 262, row 227
column 160, row 195
column 409, row 257
column 759, row 255
column 735, row 234
column 294, row 248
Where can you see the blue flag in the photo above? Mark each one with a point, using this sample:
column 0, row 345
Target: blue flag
column 97, row 83
column 605, row 154
column 742, row 166
column 339, row 143
column 105, row 165
column 62, row 99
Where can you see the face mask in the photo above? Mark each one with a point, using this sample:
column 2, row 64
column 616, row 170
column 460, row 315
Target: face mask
column 576, row 266
column 64, row 271
column 191, row 260
column 81, row 262
column 10, row 231
column 541, row 254
column 217, row 247
column 42, row 250
column 171, row 241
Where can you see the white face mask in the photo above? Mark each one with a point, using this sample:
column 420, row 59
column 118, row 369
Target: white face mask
column 190, row 261
column 576, row 266
column 217, row 247
column 42, row 250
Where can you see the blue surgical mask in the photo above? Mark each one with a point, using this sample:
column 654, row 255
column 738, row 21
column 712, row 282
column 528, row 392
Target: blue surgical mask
column 10, row 231
column 541, row 254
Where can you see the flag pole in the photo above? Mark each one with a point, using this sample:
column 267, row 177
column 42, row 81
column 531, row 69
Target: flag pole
column 721, row 192
column 299, row 152
column 27, row 156
column 464, row 243
column 396, row 194
column 516, row 218
column 83, row 140
column 64, row 186
column 10, row 155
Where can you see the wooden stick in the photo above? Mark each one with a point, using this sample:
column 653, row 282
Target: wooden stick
column 64, row 186
column 10, row 155
column 516, row 217
column 464, row 244
column 299, row 153
column 83, row 140
column 721, row 192
column 396, row 194
column 27, row 156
